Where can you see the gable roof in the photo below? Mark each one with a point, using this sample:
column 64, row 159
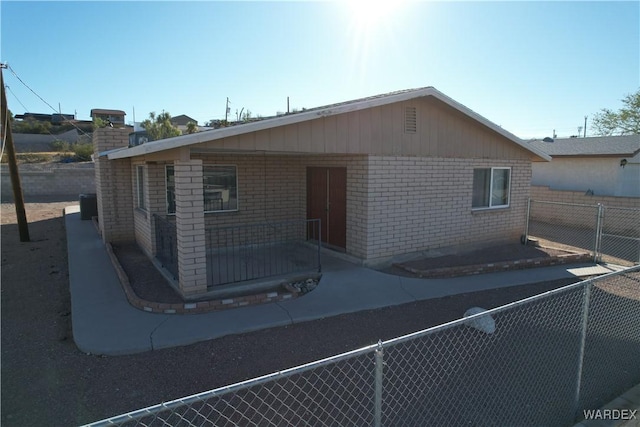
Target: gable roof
column 314, row 113
column 601, row 146
column 183, row 119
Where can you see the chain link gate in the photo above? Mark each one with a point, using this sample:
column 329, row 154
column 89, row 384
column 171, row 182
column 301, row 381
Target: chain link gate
column 610, row 234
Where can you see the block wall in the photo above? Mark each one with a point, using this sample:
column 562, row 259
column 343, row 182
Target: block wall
column 63, row 180
column 418, row 204
column 192, row 263
column 113, row 186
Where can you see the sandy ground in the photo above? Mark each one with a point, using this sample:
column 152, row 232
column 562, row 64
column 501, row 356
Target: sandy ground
column 46, row 380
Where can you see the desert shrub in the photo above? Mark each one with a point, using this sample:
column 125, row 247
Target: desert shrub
column 59, row 145
column 83, row 151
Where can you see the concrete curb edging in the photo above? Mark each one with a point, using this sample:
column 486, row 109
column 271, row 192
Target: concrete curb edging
column 468, row 270
column 194, row 307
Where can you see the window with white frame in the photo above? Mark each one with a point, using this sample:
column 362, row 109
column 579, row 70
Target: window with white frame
column 140, row 187
column 219, row 188
column 491, row 188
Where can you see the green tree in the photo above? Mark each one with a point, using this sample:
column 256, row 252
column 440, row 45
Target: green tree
column 247, row 116
column 99, row 123
column 625, row 121
column 192, row 127
column 160, row 127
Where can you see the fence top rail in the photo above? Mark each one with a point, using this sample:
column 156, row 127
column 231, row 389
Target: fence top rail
column 151, row 410
column 544, row 295
column 565, row 204
column 264, row 224
column 381, row 345
column 621, row 208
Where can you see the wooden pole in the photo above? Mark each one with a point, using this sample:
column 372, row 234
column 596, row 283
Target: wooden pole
column 23, row 226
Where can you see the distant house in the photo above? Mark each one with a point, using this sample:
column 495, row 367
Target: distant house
column 604, row 166
column 116, row 117
column 54, row 119
column 182, row 120
column 387, row 176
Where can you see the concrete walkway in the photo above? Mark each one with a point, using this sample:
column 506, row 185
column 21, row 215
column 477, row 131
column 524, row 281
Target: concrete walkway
column 105, row 323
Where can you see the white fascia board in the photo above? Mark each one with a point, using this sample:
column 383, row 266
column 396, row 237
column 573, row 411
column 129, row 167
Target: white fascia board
column 472, row 114
column 109, row 152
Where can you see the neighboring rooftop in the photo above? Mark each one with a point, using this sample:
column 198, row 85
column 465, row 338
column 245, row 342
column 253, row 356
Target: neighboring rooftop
column 106, row 111
column 182, row 120
column 626, row 145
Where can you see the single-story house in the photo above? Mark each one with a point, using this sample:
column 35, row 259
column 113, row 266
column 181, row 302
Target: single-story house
column 602, row 166
column 182, row 120
column 385, row 176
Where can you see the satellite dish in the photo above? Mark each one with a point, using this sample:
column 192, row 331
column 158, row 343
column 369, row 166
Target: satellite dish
column 547, row 139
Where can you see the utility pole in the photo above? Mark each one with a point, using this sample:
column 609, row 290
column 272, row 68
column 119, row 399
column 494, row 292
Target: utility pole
column 226, row 111
column 585, row 127
column 23, row 226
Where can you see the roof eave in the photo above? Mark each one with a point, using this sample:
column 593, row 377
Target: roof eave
column 201, row 137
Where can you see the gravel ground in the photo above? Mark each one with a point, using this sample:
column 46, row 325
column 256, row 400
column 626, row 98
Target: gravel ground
column 46, row 380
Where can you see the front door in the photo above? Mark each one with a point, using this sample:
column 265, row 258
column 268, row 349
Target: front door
column 327, row 200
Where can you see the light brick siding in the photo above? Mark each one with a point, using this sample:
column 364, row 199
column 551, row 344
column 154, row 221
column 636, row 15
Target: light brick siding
column 273, row 188
column 113, row 187
column 155, row 202
column 192, row 263
column 417, row 204
column 395, row 205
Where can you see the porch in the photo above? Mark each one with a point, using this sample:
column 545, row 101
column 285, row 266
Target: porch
column 239, row 254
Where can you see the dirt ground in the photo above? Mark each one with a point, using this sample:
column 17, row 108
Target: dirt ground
column 46, row 380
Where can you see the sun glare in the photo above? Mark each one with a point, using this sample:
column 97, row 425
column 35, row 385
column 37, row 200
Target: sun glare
column 371, row 24
column 366, row 14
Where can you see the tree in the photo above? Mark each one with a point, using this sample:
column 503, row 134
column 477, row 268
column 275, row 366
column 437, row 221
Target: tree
column 160, row 127
column 192, row 128
column 625, row 121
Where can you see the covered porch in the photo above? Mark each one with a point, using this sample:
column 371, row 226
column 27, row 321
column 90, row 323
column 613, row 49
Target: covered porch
column 219, row 220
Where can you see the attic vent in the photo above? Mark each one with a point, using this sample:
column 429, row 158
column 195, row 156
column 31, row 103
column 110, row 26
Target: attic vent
column 410, row 120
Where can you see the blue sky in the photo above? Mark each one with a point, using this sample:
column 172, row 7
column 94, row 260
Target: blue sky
column 530, row 67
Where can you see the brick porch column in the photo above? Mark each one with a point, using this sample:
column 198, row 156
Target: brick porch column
column 192, row 262
column 114, row 188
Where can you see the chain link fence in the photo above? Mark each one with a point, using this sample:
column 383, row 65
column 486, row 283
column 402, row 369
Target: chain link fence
column 608, row 233
column 539, row 361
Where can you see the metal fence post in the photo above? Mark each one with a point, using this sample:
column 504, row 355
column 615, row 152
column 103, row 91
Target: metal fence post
column 319, row 244
column 379, row 357
column 583, row 340
column 598, row 242
column 526, row 224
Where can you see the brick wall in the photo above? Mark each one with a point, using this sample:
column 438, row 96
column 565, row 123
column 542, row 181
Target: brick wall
column 582, row 210
column 579, row 197
column 113, row 186
column 273, row 188
column 50, row 180
column 418, row 204
column 192, row 263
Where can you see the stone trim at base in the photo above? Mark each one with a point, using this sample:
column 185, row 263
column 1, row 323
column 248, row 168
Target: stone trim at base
column 194, row 307
column 468, row 270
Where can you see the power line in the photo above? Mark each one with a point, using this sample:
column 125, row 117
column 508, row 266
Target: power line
column 42, row 99
column 16, row 97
